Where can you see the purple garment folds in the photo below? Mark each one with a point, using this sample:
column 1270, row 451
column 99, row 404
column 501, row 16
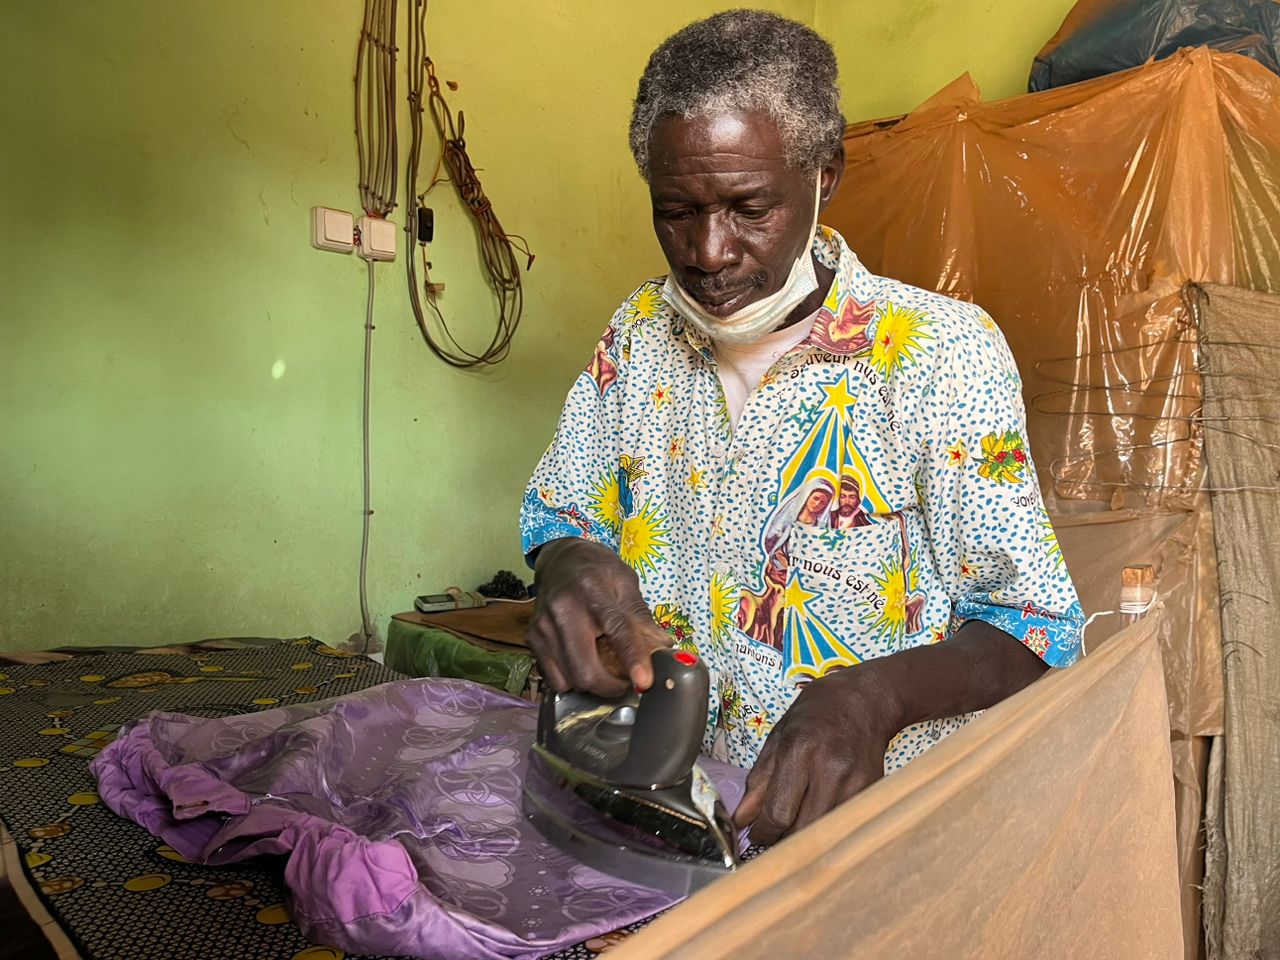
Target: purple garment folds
column 398, row 809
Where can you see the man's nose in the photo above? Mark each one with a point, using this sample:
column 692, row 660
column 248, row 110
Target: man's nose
column 712, row 245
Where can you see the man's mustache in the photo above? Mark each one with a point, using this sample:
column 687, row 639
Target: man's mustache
column 717, row 284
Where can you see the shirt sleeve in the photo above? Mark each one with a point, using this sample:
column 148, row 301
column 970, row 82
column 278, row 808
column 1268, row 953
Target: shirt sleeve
column 575, row 491
column 997, row 553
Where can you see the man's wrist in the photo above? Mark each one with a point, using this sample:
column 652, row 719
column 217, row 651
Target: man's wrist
column 546, row 551
column 554, row 548
column 883, row 684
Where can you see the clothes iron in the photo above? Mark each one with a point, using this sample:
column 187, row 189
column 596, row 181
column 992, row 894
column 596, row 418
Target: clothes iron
column 616, row 784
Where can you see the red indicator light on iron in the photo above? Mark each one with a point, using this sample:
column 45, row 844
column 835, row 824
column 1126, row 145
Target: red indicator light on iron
column 687, row 658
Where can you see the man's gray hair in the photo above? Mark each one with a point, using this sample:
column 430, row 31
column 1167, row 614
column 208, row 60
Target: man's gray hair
column 745, row 60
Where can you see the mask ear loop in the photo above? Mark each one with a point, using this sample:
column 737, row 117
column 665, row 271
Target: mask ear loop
column 817, row 211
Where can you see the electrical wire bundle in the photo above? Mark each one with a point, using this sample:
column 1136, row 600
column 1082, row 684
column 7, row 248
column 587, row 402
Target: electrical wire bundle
column 378, row 149
column 377, row 146
column 375, row 84
column 497, row 247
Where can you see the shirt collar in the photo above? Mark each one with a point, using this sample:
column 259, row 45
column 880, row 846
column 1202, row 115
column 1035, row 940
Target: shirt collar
column 850, row 304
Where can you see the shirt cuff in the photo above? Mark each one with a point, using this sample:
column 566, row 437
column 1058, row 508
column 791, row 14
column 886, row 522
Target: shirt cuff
column 541, row 522
column 1053, row 637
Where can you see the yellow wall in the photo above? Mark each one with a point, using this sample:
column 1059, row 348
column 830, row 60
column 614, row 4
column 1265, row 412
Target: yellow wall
column 160, row 159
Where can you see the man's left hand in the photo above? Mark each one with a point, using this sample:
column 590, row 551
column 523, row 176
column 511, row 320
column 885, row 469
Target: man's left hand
column 828, row 746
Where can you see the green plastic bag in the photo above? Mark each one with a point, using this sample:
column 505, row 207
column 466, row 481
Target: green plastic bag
column 427, row 652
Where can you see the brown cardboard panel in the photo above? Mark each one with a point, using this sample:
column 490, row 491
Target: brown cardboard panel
column 1045, row 828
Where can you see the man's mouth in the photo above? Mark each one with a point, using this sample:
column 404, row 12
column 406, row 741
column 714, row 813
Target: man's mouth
column 721, row 303
column 722, row 296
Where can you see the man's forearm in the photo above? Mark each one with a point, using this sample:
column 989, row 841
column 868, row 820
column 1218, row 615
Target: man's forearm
column 976, row 669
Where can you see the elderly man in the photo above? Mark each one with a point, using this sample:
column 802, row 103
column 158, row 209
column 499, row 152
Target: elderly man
column 768, row 371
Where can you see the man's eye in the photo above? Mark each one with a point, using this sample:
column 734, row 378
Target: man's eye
column 753, row 213
column 675, row 214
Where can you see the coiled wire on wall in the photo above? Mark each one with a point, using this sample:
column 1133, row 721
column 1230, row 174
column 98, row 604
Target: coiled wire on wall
column 497, row 247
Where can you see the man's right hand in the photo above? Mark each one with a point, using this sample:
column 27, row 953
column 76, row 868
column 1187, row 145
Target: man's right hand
column 585, row 592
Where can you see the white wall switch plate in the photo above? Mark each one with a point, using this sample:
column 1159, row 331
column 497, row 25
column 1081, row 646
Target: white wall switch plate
column 377, row 238
column 332, row 230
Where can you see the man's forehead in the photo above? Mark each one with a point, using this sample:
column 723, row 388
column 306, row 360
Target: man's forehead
column 732, row 127
column 717, row 142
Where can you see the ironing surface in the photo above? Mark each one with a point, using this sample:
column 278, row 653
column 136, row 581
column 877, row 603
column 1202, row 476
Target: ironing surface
column 398, row 809
column 110, row 883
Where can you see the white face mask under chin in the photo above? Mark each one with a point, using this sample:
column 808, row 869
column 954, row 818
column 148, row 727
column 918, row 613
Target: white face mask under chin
column 756, row 319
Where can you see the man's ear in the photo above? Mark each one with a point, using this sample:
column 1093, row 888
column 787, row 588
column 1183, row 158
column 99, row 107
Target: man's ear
column 832, row 173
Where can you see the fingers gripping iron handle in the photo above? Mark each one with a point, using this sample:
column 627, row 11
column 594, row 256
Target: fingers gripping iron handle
column 670, row 722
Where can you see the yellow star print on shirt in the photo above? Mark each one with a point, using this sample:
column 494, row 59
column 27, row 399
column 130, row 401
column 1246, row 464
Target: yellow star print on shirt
column 837, row 396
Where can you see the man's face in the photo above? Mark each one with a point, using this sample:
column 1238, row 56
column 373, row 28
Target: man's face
column 850, row 500
column 730, row 215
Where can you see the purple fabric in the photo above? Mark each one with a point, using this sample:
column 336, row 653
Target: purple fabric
column 398, row 809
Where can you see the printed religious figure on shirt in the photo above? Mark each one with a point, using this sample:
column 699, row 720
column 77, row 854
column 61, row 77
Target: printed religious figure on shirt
column 847, row 512
column 760, row 614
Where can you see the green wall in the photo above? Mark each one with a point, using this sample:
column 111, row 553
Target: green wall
column 894, row 54
column 180, row 373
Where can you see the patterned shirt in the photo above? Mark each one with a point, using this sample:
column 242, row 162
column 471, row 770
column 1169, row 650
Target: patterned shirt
column 875, row 494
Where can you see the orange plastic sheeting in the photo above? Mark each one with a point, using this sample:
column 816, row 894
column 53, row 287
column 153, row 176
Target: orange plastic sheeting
column 1045, row 828
column 1074, row 217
